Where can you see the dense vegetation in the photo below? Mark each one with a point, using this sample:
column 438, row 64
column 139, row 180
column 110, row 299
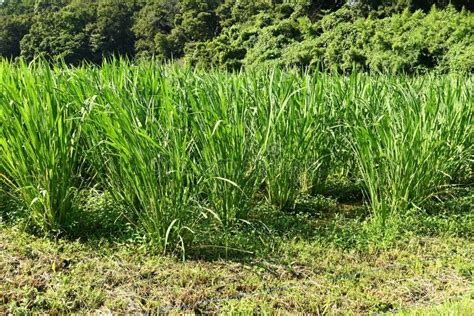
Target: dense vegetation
column 323, row 149
column 390, row 36
column 180, row 153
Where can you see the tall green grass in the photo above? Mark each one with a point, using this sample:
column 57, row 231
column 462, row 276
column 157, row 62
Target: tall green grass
column 40, row 152
column 412, row 142
column 182, row 150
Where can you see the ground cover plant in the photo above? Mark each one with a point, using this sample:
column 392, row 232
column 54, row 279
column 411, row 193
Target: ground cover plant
column 244, row 166
column 417, row 275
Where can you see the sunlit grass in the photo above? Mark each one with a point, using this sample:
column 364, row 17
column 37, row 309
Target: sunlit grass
column 181, row 150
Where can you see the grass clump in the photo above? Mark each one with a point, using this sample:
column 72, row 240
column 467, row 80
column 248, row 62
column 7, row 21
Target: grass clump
column 409, row 147
column 41, row 156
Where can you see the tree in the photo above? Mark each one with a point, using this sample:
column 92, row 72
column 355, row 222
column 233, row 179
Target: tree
column 388, row 7
column 15, row 7
column 317, row 8
column 196, row 21
column 14, row 28
column 61, row 34
column 231, row 12
column 153, row 23
column 111, row 33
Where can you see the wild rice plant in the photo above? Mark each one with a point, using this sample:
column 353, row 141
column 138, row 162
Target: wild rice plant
column 296, row 132
column 223, row 129
column 410, row 136
column 41, row 129
column 180, row 148
column 141, row 149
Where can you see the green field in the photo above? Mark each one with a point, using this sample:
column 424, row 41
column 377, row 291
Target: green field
column 282, row 190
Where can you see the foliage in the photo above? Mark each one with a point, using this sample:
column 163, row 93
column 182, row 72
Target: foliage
column 343, row 41
column 14, row 27
column 153, row 23
column 388, row 36
column 59, row 34
column 389, row 6
column 110, row 33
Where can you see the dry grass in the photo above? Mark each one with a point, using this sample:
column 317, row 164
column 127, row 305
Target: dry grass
column 40, row 275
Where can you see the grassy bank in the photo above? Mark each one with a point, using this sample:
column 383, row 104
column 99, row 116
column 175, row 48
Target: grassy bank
column 416, row 275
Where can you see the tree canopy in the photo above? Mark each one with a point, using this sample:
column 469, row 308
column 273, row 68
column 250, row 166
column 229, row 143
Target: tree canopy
column 390, row 35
